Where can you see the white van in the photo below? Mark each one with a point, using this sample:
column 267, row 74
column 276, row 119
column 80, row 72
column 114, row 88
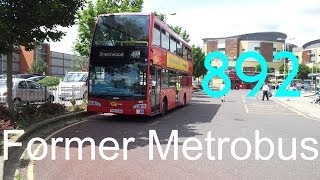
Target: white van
column 73, row 86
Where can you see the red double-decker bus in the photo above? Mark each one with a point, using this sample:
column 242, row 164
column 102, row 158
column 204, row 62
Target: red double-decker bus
column 237, row 83
column 138, row 66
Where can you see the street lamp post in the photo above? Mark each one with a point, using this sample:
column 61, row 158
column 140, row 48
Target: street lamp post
column 165, row 16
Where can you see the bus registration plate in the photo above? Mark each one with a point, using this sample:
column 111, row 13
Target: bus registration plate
column 116, row 110
column 140, row 111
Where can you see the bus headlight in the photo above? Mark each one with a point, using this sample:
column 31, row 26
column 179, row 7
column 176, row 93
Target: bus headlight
column 139, row 106
column 93, row 103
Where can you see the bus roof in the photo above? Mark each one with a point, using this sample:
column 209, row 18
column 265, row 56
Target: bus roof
column 165, row 26
column 124, row 13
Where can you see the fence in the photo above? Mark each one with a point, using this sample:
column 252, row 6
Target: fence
column 68, row 96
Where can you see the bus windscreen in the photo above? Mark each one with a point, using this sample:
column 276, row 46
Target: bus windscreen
column 126, row 81
column 115, row 30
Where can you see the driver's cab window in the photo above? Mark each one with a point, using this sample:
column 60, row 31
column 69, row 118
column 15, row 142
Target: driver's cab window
column 22, row 85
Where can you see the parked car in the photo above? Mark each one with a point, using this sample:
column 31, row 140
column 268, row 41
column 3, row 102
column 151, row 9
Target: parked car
column 26, row 76
column 73, row 86
column 25, row 90
column 307, row 85
column 3, row 76
column 36, row 78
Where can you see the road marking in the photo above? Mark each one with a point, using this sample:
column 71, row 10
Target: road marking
column 269, row 113
column 244, row 101
column 294, row 110
column 30, row 170
column 151, row 124
column 245, row 105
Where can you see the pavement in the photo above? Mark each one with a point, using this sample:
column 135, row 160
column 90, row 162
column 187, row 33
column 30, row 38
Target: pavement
column 302, row 104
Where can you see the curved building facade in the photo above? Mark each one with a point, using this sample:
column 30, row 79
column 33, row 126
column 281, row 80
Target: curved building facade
column 310, row 54
column 266, row 43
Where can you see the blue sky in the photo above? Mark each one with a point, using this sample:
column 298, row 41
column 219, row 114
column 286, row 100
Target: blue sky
column 218, row 18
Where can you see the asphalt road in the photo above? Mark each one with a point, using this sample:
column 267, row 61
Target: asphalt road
column 235, row 118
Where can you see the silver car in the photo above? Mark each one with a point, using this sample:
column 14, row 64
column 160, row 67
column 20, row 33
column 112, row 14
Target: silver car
column 25, row 90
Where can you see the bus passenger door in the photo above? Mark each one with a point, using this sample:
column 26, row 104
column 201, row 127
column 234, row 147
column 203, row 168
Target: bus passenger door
column 155, row 89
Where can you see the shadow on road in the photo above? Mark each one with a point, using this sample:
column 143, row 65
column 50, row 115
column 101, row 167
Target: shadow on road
column 182, row 119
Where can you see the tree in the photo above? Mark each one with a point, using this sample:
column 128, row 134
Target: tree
column 80, row 64
column 177, row 29
column 39, row 66
column 303, row 72
column 281, row 69
column 258, row 69
column 159, row 15
column 28, row 22
column 198, row 59
column 87, row 19
column 182, row 33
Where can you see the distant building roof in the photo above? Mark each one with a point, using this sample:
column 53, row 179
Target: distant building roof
column 260, row 36
column 311, row 43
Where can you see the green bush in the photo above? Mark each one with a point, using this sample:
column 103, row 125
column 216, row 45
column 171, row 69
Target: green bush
column 49, row 81
column 25, row 115
column 51, row 109
column 5, row 121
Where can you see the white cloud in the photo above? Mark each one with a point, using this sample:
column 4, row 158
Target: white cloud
column 295, row 18
column 298, row 19
column 65, row 45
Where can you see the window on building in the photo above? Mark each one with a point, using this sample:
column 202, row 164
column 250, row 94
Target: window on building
column 249, row 69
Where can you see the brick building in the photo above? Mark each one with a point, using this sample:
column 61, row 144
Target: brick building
column 58, row 63
column 309, row 54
